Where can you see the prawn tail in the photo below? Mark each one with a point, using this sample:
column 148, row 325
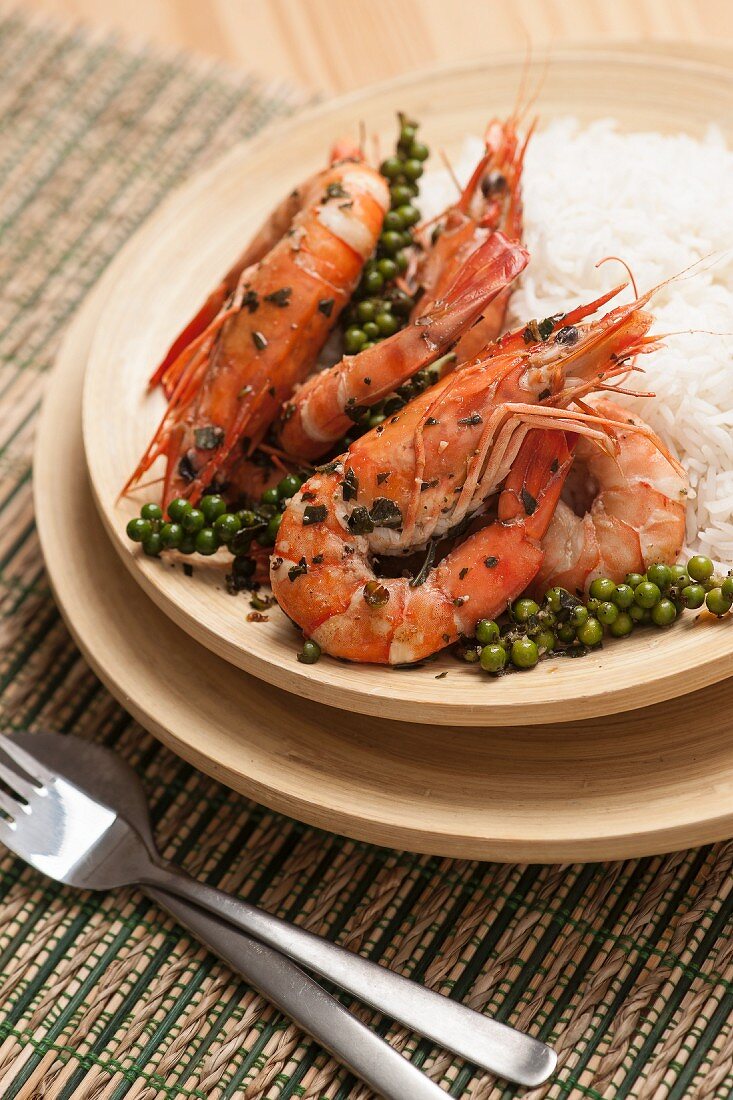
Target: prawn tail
column 165, row 372
column 533, row 486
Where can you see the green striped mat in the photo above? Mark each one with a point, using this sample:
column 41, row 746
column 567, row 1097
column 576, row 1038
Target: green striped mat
column 626, row 968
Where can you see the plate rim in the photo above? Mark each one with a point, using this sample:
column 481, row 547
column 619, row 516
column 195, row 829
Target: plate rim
column 373, row 696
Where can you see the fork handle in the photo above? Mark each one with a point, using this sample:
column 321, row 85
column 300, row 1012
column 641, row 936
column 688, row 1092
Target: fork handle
column 284, row 984
column 487, row 1043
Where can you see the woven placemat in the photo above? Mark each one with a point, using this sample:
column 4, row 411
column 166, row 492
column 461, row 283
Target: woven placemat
column 626, row 968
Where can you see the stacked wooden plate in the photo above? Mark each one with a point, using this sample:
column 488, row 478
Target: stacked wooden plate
column 611, row 756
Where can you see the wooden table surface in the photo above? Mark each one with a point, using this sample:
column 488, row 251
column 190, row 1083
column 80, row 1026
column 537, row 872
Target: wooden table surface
column 336, row 45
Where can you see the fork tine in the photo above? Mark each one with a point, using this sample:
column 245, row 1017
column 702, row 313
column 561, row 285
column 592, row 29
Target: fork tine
column 9, row 806
column 25, row 759
column 17, row 784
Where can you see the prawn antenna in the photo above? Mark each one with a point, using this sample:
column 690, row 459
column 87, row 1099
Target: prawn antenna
column 451, row 171
column 623, row 263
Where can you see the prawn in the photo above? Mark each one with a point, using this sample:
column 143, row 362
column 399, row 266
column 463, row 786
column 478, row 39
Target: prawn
column 427, row 473
column 490, row 201
column 233, row 378
column 618, row 513
column 273, row 229
column 323, row 409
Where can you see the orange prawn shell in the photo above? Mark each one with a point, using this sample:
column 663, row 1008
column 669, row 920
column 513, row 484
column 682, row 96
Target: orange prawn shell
column 236, row 376
column 634, row 517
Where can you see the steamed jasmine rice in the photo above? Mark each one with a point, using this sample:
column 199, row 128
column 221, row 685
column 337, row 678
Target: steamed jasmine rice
column 662, row 203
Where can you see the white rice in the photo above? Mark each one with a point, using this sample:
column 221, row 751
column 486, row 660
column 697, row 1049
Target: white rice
column 662, row 203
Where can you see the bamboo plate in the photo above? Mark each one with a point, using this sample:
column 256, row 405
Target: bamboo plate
column 617, row 787
column 163, row 274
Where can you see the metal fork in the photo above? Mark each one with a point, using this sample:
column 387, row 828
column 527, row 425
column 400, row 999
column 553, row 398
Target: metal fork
column 80, row 816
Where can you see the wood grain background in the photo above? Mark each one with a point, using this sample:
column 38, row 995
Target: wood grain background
column 337, row 45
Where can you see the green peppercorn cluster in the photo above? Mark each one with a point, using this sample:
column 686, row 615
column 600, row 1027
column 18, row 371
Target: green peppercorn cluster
column 379, row 308
column 210, row 526
column 565, row 624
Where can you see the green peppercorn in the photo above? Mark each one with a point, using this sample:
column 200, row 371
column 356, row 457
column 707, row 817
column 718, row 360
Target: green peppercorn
column 545, row 641
column 565, row 632
column 622, row 625
column 623, row 597
column 640, row 614
column 193, row 521
column 717, row 603
column 373, row 282
column 178, row 508
column 523, row 610
column 727, row 588
column 412, row 169
column 487, row 631
column 288, row 486
column 386, row 323
column 659, row 574
column 153, row 512
column 407, row 135
column 664, row 613
column 354, row 340
column 188, row 545
column 371, row 330
column 607, row 613
column 171, row 536
column 408, row 214
column 578, row 615
column 226, row 527
column 524, row 653
column 391, row 167
column 274, row 526
column 634, row 579
column 647, row 594
column 310, row 652
column 693, row 596
column 367, row 310
column 390, row 241
column 554, row 598
column 679, row 572
column 602, row 588
column 206, row 541
column 152, row 545
column 419, row 151
column 493, row 657
column 212, row 507
column 139, row 529
column 400, row 195
column 248, row 518
column 700, row 568
column 590, row 633
column 270, row 495
column 393, row 220
column 387, row 268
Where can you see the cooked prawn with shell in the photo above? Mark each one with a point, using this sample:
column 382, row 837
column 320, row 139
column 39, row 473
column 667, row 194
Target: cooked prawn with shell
column 231, row 380
column 622, row 512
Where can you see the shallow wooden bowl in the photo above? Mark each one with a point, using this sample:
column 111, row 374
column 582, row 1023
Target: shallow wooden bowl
column 620, row 786
column 163, row 274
